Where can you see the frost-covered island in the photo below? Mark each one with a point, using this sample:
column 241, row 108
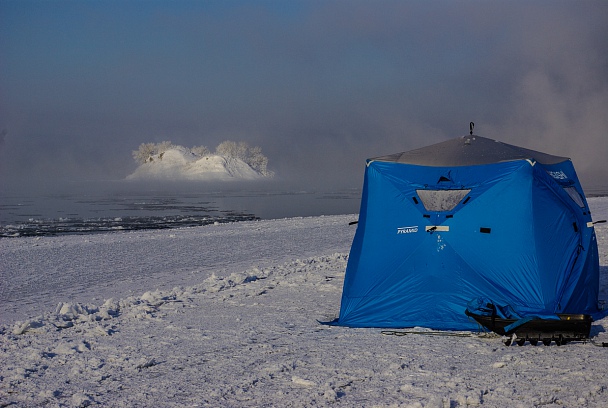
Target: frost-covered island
column 231, row 161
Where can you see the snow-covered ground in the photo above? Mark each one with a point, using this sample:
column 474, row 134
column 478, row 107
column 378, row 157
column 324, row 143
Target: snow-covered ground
column 226, row 315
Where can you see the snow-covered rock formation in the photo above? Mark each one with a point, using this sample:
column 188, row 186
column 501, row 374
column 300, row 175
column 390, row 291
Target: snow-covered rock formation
column 179, row 163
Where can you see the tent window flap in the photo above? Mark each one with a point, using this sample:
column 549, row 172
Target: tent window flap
column 575, row 196
column 441, row 200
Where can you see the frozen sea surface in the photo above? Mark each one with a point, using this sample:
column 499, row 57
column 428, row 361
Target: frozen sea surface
column 226, row 315
column 123, row 206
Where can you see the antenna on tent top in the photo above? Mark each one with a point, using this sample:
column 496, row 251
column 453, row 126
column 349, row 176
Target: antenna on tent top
column 471, row 126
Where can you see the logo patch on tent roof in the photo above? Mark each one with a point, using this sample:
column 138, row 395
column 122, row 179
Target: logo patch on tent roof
column 558, row 175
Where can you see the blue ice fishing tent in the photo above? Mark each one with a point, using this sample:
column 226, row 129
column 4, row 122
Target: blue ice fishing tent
column 463, row 219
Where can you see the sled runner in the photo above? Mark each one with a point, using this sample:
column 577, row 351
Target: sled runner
column 561, row 329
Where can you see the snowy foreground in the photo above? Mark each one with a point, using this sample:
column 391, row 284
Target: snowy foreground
column 226, row 316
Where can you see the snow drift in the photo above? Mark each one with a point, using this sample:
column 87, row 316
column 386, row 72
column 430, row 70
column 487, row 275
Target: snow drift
column 226, row 315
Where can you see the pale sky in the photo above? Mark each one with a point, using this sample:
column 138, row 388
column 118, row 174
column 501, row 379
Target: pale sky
column 319, row 85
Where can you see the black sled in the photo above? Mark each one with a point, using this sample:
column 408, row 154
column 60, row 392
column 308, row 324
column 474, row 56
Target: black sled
column 569, row 327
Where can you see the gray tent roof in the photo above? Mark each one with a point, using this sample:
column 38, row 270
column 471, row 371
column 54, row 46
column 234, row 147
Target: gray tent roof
column 469, row 151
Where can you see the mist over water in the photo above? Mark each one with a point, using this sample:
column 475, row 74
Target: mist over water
column 319, row 86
